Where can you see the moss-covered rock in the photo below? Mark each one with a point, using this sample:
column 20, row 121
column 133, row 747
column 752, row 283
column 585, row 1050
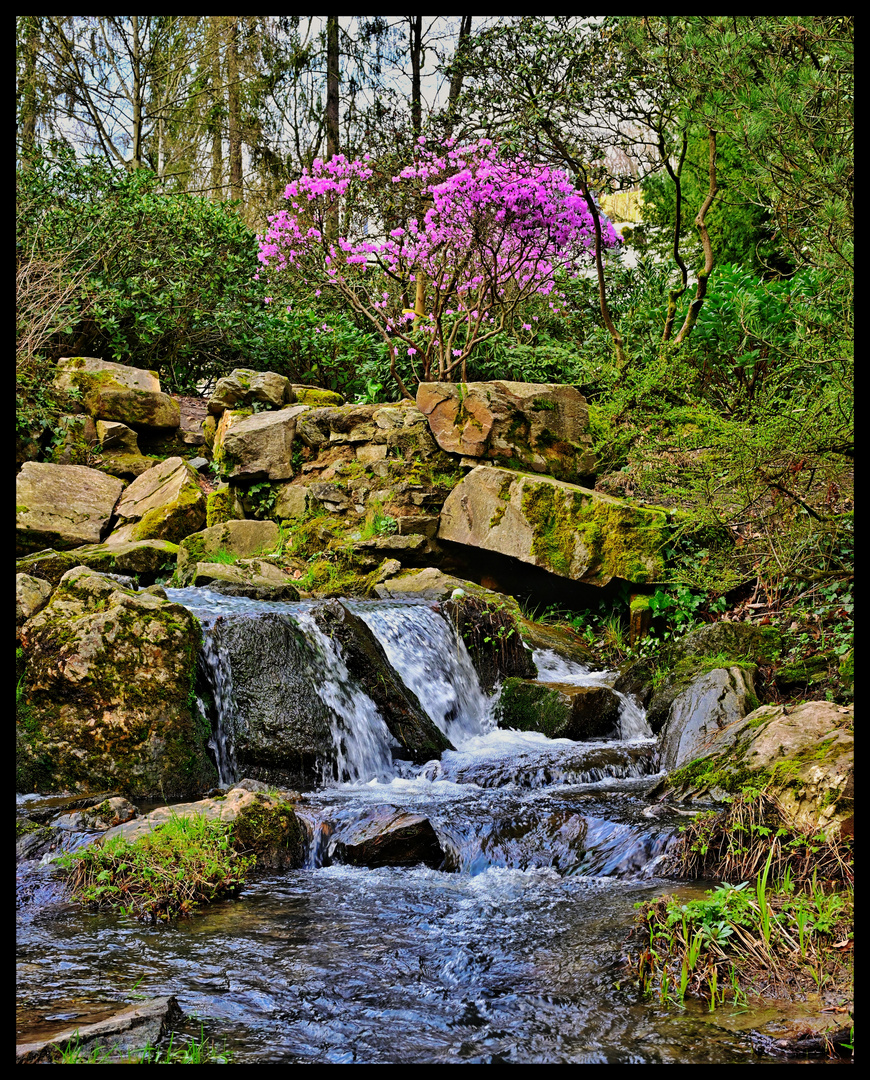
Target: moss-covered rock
column 108, row 693
column 559, row 712
column 236, row 539
column 315, row 396
column 492, row 635
column 164, row 503
column 568, row 530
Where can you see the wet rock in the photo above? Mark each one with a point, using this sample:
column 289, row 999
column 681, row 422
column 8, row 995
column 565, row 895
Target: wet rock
column 567, row 530
column 560, row 711
column 279, row 725
column 142, row 559
column 390, row 837
column 129, row 1029
column 258, row 579
column 491, row 632
column 100, row 816
column 367, row 662
column 62, row 506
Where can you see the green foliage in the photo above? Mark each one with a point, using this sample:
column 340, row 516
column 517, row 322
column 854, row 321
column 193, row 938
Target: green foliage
column 163, row 281
column 168, row 872
column 185, row 1051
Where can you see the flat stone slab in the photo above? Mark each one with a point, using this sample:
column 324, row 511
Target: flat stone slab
column 243, row 538
column 569, row 530
column 71, row 369
column 165, row 500
column 63, row 506
column 131, row 1028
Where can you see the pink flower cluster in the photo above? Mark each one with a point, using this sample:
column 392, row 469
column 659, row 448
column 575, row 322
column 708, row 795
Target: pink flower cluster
column 484, row 231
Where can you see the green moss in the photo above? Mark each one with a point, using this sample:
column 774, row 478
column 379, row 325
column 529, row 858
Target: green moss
column 317, row 397
column 269, row 829
column 524, row 706
column 220, row 506
column 611, row 538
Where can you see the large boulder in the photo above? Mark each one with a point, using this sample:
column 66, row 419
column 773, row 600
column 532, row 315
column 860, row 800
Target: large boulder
column 258, row 579
column 257, row 446
column 710, row 702
column 243, row 387
column 86, row 372
column 31, row 595
column 523, row 425
column 108, row 679
column 63, row 506
column 164, row 503
column 265, row 686
column 568, row 530
column 559, row 711
column 802, row 755
column 367, row 663
column 388, row 836
column 235, row 539
column 491, row 631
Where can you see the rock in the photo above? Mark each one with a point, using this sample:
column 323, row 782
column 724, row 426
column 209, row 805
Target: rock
column 315, row 396
column 79, row 438
column 47, row 565
column 222, row 505
column 164, row 503
column 255, row 578
column 492, row 636
column 534, row 425
column 279, row 725
column 31, row 595
column 63, row 506
column 130, row 1028
column 413, row 550
column 418, row 524
column 242, row 539
column 291, row 502
column 429, row 584
column 109, row 674
column 562, row 640
column 142, row 559
column 115, row 436
column 802, row 755
column 126, row 466
column 99, row 817
column 710, row 702
column 244, row 387
column 736, row 640
column 390, row 837
column 85, row 372
column 139, row 409
column 559, row 711
column 367, row 662
column 568, row 530
column 257, row 447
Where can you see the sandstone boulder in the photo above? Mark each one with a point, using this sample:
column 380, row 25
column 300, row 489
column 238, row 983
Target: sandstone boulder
column 538, row 426
column 258, row 579
column 142, row 559
column 108, row 680
column 117, row 437
column 568, row 530
column 237, row 539
column 63, row 506
column 143, row 410
column 31, row 595
column 259, row 446
column 86, row 372
column 803, row 755
column 163, row 503
column 710, row 702
column 243, row 387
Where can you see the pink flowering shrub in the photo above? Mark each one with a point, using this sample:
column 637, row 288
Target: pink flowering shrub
column 480, row 234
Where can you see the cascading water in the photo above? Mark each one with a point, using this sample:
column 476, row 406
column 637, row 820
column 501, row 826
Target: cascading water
column 505, row 953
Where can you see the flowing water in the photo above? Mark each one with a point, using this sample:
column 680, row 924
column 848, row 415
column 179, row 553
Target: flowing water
column 509, row 952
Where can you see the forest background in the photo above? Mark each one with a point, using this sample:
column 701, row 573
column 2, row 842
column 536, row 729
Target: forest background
column 151, row 151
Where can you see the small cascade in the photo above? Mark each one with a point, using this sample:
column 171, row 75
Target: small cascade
column 433, row 662
column 554, row 668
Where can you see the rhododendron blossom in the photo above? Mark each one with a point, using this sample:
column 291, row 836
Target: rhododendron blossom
column 466, row 237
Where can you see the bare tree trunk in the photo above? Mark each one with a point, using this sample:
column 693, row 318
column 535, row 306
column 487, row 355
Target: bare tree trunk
column 701, row 292
column 136, row 162
column 217, row 162
column 675, row 294
column 332, row 75
column 29, row 107
column 416, row 28
column 456, row 77
column 235, row 131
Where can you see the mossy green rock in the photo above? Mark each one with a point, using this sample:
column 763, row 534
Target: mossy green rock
column 803, row 755
column 239, row 539
column 569, row 530
column 559, row 711
column 315, row 396
column 108, row 693
column 163, row 503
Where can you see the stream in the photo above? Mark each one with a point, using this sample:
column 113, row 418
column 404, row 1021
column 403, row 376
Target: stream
column 509, row 952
